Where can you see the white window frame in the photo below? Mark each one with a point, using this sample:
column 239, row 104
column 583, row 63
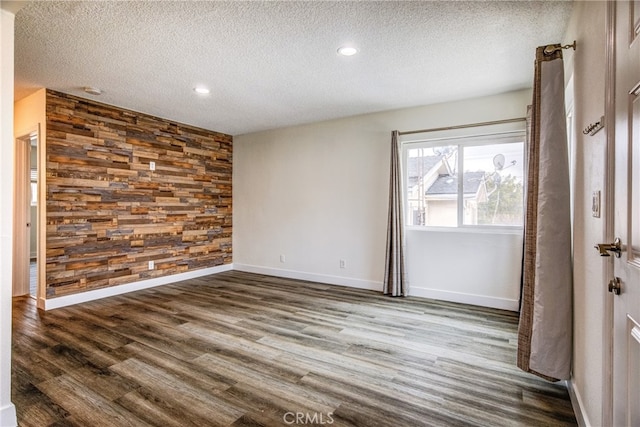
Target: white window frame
column 461, row 141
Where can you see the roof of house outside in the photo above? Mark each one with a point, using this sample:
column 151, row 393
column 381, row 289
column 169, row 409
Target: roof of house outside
column 448, row 184
column 417, row 167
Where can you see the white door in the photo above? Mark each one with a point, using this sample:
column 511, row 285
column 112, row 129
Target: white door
column 626, row 305
column 21, row 217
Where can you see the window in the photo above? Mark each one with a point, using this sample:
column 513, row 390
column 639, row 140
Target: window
column 34, row 187
column 33, row 169
column 465, row 181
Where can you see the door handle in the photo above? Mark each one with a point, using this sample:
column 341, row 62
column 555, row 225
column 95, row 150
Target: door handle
column 605, row 248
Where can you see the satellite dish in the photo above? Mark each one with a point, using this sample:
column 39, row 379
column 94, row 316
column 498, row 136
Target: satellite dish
column 498, row 161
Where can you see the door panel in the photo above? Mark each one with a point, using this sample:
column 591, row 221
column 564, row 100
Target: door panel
column 22, row 217
column 626, row 306
column 633, row 371
column 635, row 18
column 634, row 235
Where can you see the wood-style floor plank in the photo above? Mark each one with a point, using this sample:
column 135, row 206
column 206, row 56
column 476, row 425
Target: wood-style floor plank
column 239, row 349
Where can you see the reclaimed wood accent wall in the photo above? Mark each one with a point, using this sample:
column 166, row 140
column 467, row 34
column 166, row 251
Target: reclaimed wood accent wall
column 108, row 214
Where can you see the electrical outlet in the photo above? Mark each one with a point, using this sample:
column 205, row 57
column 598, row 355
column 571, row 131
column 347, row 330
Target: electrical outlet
column 343, row 263
column 152, row 166
column 282, row 258
column 151, row 265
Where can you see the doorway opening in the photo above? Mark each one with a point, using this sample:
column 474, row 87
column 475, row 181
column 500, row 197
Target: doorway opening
column 26, row 216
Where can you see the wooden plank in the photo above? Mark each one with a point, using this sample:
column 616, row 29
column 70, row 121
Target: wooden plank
column 86, row 405
column 101, row 154
column 244, row 349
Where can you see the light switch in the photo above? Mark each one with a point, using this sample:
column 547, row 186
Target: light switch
column 152, row 166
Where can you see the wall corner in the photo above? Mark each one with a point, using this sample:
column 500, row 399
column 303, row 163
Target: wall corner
column 7, row 47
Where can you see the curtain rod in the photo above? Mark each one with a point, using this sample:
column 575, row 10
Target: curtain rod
column 471, row 125
column 551, row 49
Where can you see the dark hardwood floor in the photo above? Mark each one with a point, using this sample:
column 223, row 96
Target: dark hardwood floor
column 240, row 349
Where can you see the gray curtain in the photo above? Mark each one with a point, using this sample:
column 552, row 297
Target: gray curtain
column 395, row 282
column 544, row 333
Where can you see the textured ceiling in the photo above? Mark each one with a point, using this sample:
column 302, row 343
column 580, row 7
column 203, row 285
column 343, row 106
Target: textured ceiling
column 274, row 64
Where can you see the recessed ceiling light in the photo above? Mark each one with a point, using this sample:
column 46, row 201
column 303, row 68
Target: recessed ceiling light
column 347, row 51
column 201, row 90
column 92, row 90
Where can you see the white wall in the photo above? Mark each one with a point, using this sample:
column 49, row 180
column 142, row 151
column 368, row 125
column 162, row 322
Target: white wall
column 465, row 266
column 318, row 193
column 30, row 117
column 30, row 114
column 587, row 64
column 7, row 409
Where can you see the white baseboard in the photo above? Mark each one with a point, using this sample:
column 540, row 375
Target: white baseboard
column 8, row 416
column 578, row 405
column 481, row 300
column 67, row 300
column 312, row 277
column 484, row 301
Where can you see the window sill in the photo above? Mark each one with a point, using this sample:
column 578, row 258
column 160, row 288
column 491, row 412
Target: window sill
column 469, row 229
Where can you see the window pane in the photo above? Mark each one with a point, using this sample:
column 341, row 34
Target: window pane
column 493, row 184
column 432, row 186
column 34, row 194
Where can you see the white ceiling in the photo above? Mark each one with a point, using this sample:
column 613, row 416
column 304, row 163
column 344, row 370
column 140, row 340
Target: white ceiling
column 274, row 64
